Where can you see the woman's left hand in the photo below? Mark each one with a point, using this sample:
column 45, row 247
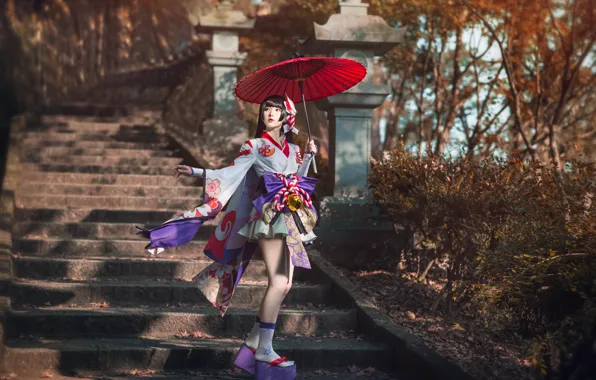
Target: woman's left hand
column 311, row 147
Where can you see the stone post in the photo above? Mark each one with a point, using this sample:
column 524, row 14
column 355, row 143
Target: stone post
column 353, row 34
column 224, row 133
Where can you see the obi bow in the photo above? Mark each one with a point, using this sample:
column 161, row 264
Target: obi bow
column 286, row 195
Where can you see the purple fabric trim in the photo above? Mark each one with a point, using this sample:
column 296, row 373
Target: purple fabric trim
column 192, row 172
column 273, row 185
column 173, row 234
column 268, row 326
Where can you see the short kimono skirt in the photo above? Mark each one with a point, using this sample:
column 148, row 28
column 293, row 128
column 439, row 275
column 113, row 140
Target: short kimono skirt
column 258, row 228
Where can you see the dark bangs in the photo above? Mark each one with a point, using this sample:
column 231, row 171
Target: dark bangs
column 275, row 101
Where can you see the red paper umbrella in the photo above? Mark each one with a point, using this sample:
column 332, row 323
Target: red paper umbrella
column 319, row 77
column 302, row 79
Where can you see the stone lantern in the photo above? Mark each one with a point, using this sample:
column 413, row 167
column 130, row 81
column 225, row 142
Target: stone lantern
column 353, row 34
column 225, row 132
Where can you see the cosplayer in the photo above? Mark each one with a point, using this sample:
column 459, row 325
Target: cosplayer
column 268, row 198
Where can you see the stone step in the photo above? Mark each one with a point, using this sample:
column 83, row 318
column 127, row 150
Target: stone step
column 30, row 293
column 165, row 323
column 104, row 152
column 41, row 268
column 92, row 248
column 343, row 373
column 135, row 136
column 33, row 146
column 98, row 169
column 94, row 230
column 138, row 217
column 166, row 162
column 93, row 122
column 96, row 127
column 91, row 126
column 32, row 357
column 29, row 188
column 108, row 179
column 85, row 201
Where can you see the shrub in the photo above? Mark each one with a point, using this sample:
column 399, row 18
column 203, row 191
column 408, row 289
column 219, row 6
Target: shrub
column 515, row 238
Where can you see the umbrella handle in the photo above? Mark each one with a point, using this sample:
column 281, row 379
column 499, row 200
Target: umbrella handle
column 314, row 162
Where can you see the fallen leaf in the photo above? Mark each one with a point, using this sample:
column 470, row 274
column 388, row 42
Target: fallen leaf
column 353, row 369
column 46, row 375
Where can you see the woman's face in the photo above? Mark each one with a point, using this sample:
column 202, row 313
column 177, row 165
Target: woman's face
column 271, row 118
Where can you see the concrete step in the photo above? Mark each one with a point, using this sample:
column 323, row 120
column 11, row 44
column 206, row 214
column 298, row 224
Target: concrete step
column 28, row 188
column 30, row 293
column 108, row 179
column 99, row 169
column 100, row 151
column 95, row 128
column 138, row 217
column 93, row 230
column 165, row 323
column 41, row 268
column 92, row 248
column 86, row 201
column 126, row 136
column 91, row 126
column 33, row 146
column 343, row 373
column 93, row 122
column 26, row 357
column 167, row 162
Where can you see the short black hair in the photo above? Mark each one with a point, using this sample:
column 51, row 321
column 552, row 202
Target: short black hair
column 272, row 101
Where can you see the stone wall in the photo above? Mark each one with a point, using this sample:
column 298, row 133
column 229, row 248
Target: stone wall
column 7, row 197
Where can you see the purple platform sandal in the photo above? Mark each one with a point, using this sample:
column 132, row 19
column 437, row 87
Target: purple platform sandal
column 245, row 359
column 272, row 370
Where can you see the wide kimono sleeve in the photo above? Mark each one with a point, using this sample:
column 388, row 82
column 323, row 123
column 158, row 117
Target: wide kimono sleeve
column 218, row 187
column 220, row 184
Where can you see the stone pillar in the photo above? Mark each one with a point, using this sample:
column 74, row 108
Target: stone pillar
column 356, row 35
column 224, row 133
column 347, row 215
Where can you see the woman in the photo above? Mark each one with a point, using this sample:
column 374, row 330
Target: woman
column 268, row 198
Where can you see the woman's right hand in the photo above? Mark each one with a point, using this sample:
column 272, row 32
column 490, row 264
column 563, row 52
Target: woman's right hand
column 179, row 170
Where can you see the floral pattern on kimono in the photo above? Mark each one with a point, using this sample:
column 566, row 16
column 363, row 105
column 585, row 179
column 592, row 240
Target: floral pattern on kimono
column 234, row 186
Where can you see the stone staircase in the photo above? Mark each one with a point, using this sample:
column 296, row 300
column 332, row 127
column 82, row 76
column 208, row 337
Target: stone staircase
column 87, row 298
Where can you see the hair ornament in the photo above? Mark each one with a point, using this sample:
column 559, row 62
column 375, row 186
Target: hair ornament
column 291, row 116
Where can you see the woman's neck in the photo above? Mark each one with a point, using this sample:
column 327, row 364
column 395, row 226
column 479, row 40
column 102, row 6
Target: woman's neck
column 277, row 136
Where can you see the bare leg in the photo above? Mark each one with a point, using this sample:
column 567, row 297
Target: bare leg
column 279, row 272
column 275, row 257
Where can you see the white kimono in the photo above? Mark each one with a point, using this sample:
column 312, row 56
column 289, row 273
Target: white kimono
column 239, row 186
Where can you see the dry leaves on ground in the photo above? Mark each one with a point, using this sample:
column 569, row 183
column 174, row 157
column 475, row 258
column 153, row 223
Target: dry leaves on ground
column 484, row 352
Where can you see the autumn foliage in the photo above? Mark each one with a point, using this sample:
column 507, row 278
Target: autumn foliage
column 513, row 239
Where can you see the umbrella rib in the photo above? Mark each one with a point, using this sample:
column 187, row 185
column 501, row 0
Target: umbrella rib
column 257, row 87
column 329, row 90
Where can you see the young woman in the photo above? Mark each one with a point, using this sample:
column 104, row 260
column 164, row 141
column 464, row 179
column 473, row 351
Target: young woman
column 268, row 198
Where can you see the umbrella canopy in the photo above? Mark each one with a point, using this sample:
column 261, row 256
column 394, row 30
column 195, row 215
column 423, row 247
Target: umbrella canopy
column 320, row 77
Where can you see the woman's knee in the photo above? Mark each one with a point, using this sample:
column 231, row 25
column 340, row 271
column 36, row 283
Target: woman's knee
column 280, row 285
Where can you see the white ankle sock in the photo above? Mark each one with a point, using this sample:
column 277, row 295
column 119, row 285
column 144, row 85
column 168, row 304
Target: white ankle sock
column 265, row 351
column 252, row 340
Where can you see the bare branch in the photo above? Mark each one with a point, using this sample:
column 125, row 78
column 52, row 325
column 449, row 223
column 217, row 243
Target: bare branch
column 508, row 70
